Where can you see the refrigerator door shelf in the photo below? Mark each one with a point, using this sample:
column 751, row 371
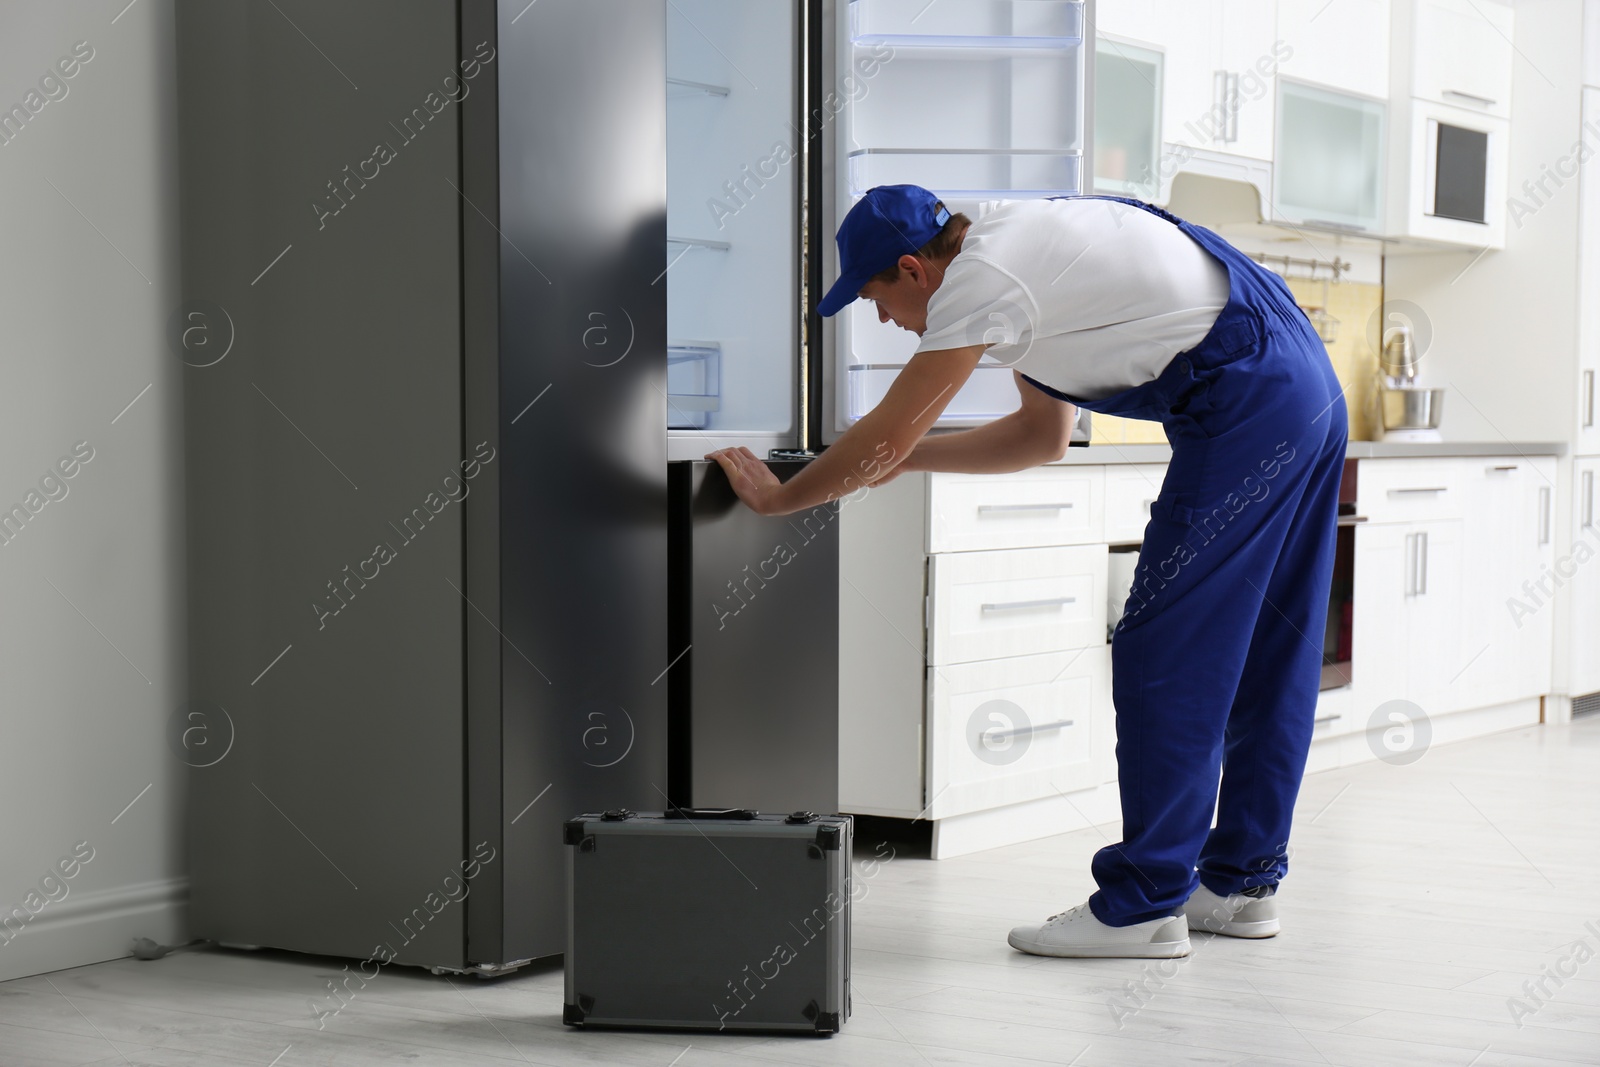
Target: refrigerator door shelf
column 990, row 393
column 1018, row 23
column 969, row 173
column 693, row 383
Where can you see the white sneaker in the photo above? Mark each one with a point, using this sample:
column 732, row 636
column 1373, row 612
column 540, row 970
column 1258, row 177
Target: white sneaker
column 1235, row 915
column 1076, row 932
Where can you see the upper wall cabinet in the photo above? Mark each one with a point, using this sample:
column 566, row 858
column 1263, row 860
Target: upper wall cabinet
column 1450, row 139
column 1343, row 44
column 1127, row 119
column 1330, row 159
column 1462, row 54
column 1219, row 59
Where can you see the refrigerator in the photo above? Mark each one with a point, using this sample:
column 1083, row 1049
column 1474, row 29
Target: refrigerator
column 461, row 280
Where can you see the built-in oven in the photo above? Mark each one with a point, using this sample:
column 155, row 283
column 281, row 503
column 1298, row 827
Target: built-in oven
column 1337, row 642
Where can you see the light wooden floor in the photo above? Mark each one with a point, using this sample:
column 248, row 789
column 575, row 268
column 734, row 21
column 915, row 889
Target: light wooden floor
column 1422, row 899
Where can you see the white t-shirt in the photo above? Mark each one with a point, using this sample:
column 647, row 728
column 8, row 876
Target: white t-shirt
column 1087, row 296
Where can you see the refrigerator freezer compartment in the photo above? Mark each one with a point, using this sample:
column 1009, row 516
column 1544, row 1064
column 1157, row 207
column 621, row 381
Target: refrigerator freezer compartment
column 693, row 383
column 1017, row 23
column 988, row 394
column 968, row 173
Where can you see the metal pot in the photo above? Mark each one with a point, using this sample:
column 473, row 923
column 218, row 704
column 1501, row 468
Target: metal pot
column 1411, row 408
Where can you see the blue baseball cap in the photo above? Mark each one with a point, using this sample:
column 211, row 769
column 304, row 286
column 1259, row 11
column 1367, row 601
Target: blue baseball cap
column 890, row 221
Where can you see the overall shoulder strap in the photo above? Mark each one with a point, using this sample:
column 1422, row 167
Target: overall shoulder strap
column 1158, row 212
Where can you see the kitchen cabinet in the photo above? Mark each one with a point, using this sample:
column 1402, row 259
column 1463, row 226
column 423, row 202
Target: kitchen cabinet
column 1130, row 490
column 1450, row 134
column 1341, row 45
column 1461, row 54
column 975, row 674
column 1218, row 64
column 1329, row 153
column 1407, row 638
column 1507, row 633
column 1249, row 53
column 1128, row 91
column 1588, row 429
column 1004, row 731
column 1582, row 569
column 984, row 720
column 1446, row 550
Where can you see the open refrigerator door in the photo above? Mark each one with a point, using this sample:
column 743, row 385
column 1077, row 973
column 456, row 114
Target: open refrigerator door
column 979, row 101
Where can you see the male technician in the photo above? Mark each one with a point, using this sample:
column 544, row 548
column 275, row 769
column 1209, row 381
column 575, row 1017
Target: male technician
column 1118, row 307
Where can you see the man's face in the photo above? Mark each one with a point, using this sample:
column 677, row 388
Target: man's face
column 903, row 301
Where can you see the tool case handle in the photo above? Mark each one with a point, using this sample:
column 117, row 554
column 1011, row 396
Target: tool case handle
column 709, row 813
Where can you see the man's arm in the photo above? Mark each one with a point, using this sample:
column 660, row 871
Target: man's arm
column 868, row 450
column 1037, row 432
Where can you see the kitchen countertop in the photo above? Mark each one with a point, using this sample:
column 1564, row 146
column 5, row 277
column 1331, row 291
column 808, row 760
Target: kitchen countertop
column 1109, row 453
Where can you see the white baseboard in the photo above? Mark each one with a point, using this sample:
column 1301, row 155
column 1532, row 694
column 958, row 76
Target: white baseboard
column 96, row 926
column 959, row 835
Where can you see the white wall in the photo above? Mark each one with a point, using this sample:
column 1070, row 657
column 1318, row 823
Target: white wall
column 89, row 685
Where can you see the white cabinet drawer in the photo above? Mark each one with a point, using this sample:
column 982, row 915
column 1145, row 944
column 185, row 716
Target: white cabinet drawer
column 1037, row 507
column 1006, row 731
column 1410, row 490
column 1129, row 492
column 1015, row 602
column 1336, row 709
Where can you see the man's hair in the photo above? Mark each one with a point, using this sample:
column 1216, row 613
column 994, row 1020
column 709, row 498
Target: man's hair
column 943, row 244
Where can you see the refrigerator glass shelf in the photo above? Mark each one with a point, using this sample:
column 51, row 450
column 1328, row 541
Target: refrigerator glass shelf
column 1029, row 24
column 970, row 174
column 698, row 242
column 693, row 383
column 679, row 88
column 988, row 394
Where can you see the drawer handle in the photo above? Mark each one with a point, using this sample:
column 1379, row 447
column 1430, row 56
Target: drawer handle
column 1327, row 718
column 1021, row 731
column 1020, row 605
column 1474, row 97
column 1023, row 507
column 1423, row 489
column 1504, row 467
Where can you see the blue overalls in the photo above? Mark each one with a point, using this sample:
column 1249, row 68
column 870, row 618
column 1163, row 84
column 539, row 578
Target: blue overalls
column 1217, row 660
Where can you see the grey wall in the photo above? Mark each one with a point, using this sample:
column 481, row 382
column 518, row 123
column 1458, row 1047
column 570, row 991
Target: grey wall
column 92, row 587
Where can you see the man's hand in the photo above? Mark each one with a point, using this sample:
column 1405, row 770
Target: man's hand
column 752, row 479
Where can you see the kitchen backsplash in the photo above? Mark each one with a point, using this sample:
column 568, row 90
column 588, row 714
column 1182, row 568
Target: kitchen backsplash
column 1354, row 306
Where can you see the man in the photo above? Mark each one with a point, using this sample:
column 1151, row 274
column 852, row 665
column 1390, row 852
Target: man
column 1120, row 308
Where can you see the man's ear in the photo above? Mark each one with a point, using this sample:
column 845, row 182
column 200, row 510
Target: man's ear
column 915, row 267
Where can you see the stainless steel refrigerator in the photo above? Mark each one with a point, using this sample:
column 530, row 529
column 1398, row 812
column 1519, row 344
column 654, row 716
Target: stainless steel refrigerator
column 459, row 278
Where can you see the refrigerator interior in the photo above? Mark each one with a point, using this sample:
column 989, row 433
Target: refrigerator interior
column 979, row 101
column 733, row 224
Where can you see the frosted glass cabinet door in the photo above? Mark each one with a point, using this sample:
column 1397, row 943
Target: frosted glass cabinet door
column 1127, row 119
column 1329, row 157
column 731, row 259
